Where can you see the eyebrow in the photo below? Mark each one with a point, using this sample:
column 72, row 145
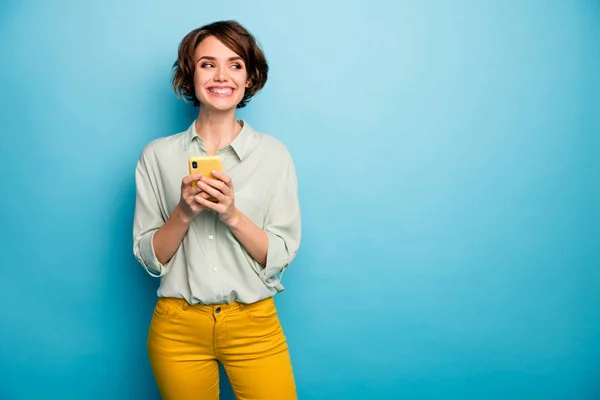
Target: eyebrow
column 236, row 58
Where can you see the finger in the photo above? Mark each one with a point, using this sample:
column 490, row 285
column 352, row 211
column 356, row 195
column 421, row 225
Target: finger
column 217, row 184
column 195, row 179
column 207, row 203
column 195, row 204
column 194, row 190
column 188, row 191
column 190, row 178
column 217, row 194
column 223, row 177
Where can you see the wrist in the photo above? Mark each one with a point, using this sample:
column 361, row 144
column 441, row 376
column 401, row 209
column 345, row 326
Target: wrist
column 181, row 216
column 233, row 221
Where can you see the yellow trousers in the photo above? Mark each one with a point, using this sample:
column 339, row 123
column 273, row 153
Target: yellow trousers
column 185, row 343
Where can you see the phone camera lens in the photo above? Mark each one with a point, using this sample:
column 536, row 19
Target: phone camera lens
column 194, row 164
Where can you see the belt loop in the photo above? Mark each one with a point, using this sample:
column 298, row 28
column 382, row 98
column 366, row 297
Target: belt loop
column 185, row 304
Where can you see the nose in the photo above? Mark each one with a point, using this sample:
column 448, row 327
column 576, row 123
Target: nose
column 220, row 75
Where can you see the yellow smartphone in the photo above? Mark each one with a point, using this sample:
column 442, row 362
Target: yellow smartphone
column 205, row 165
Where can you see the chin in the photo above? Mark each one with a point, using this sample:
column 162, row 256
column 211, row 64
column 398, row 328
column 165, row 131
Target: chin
column 220, row 106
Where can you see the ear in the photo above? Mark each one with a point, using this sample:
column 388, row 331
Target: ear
column 248, row 83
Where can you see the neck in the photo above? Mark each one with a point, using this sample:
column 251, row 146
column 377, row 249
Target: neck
column 217, row 129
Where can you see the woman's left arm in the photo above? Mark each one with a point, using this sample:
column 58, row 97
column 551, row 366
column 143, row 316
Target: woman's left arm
column 254, row 239
column 275, row 246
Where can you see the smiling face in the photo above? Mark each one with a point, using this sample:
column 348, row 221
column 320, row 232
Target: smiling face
column 220, row 75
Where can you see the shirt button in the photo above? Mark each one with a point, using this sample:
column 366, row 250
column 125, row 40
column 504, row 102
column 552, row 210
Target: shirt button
column 211, row 237
column 218, row 297
column 215, row 269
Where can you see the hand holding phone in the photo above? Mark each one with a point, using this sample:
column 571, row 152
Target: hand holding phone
column 204, row 165
column 188, row 203
column 190, row 192
column 216, row 189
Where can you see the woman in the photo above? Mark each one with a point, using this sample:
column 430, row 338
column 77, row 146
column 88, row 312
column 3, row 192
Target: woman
column 220, row 263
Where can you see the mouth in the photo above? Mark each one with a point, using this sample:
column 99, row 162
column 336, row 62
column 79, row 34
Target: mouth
column 220, row 91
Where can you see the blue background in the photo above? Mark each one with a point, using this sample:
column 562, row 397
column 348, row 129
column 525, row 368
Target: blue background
column 449, row 180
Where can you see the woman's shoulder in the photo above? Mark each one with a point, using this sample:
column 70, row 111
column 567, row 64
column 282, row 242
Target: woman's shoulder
column 164, row 144
column 273, row 146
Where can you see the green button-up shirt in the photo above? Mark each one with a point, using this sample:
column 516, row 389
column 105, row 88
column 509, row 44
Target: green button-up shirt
column 211, row 266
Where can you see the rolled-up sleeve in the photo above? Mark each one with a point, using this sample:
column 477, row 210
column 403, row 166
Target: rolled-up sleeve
column 147, row 220
column 282, row 225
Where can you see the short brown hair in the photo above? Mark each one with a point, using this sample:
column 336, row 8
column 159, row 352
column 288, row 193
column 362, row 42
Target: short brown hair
column 233, row 35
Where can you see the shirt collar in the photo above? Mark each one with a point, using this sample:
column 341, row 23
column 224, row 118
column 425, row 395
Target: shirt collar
column 240, row 145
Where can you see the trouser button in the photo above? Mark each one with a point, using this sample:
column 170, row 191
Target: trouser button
column 218, row 310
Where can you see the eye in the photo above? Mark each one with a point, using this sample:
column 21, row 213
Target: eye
column 237, row 66
column 205, row 65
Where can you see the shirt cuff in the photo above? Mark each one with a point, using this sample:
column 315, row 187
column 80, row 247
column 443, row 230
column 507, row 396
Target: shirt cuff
column 148, row 257
column 277, row 261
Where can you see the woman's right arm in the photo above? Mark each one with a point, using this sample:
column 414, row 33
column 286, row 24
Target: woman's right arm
column 168, row 238
column 156, row 240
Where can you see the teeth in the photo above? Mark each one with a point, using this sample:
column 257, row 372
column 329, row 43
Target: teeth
column 221, row 91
